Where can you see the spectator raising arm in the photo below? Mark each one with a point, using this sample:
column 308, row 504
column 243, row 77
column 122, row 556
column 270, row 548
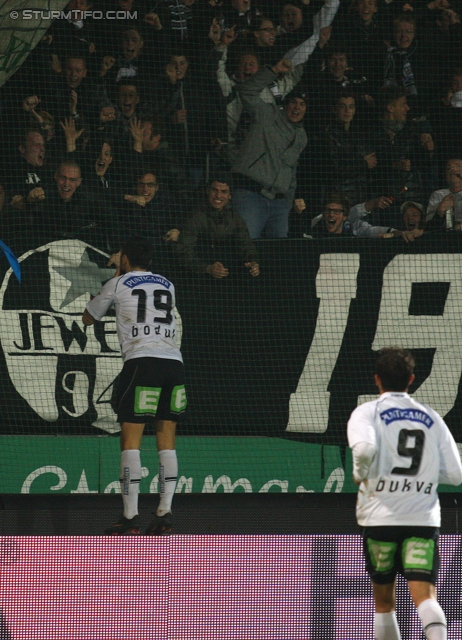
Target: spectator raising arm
column 324, row 18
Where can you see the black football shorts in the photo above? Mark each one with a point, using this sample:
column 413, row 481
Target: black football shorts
column 411, row 551
column 151, row 389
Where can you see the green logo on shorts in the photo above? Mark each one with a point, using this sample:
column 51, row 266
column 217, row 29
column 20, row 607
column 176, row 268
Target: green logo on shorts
column 418, row 553
column 178, row 400
column 147, row 399
column 382, row 554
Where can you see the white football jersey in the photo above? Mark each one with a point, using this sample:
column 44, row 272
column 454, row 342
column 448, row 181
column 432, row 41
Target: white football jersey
column 144, row 304
column 414, row 451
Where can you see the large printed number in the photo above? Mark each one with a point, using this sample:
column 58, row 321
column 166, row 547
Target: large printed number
column 141, row 309
column 414, row 452
column 395, row 324
column 309, row 405
column 162, row 302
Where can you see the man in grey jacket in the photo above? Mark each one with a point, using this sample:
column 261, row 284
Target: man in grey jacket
column 264, row 172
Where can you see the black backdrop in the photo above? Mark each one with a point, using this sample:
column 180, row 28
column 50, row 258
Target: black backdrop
column 245, row 340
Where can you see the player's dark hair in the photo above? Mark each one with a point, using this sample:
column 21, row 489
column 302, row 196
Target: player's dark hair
column 394, row 367
column 138, row 251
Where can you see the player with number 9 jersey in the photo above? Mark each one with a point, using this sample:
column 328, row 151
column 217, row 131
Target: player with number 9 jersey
column 414, row 452
column 401, row 450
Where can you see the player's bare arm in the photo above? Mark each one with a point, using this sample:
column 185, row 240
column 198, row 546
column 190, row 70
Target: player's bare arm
column 87, row 318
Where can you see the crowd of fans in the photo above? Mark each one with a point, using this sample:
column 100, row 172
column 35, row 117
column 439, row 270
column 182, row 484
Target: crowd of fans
column 313, row 114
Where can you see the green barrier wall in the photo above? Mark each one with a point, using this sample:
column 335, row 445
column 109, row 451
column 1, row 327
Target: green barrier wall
column 207, row 465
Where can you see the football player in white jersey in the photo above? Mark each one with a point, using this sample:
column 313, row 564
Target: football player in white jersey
column 152, row 383
column 401, row 450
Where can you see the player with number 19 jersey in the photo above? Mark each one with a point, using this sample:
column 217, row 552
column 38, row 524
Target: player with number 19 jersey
column 414, row 451
column 144, row 304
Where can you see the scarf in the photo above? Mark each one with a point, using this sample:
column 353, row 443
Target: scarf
column 395, row 56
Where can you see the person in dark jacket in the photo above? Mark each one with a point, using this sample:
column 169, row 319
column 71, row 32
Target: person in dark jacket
column 405, row 152
column 407, row 63
column 364, row 30
column 215, row 233
column 348, row 159
column 190, row 124
column 24, row 176
column 66, row 211
column 151, row 211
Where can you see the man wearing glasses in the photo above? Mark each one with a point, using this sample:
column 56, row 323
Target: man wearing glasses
column 338, row 220
column 151, row 210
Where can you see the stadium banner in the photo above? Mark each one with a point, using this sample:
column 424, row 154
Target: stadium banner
column 75, row 464
column 23, row 24
column 286, row 356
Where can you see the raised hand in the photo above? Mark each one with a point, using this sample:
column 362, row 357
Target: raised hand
column 107, row 63
column 371, row 160
column 153, row 20
column 36, row 195
column 283, row 66
column 70, row 131
column 324, row 36
column 107, row 114
column 30, row 103
column 427, row 142
column 229, row 35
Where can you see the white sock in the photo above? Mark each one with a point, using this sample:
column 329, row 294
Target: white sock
column 433, row 620
column 386, row 626
column 168, row 472
column 130, row 476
